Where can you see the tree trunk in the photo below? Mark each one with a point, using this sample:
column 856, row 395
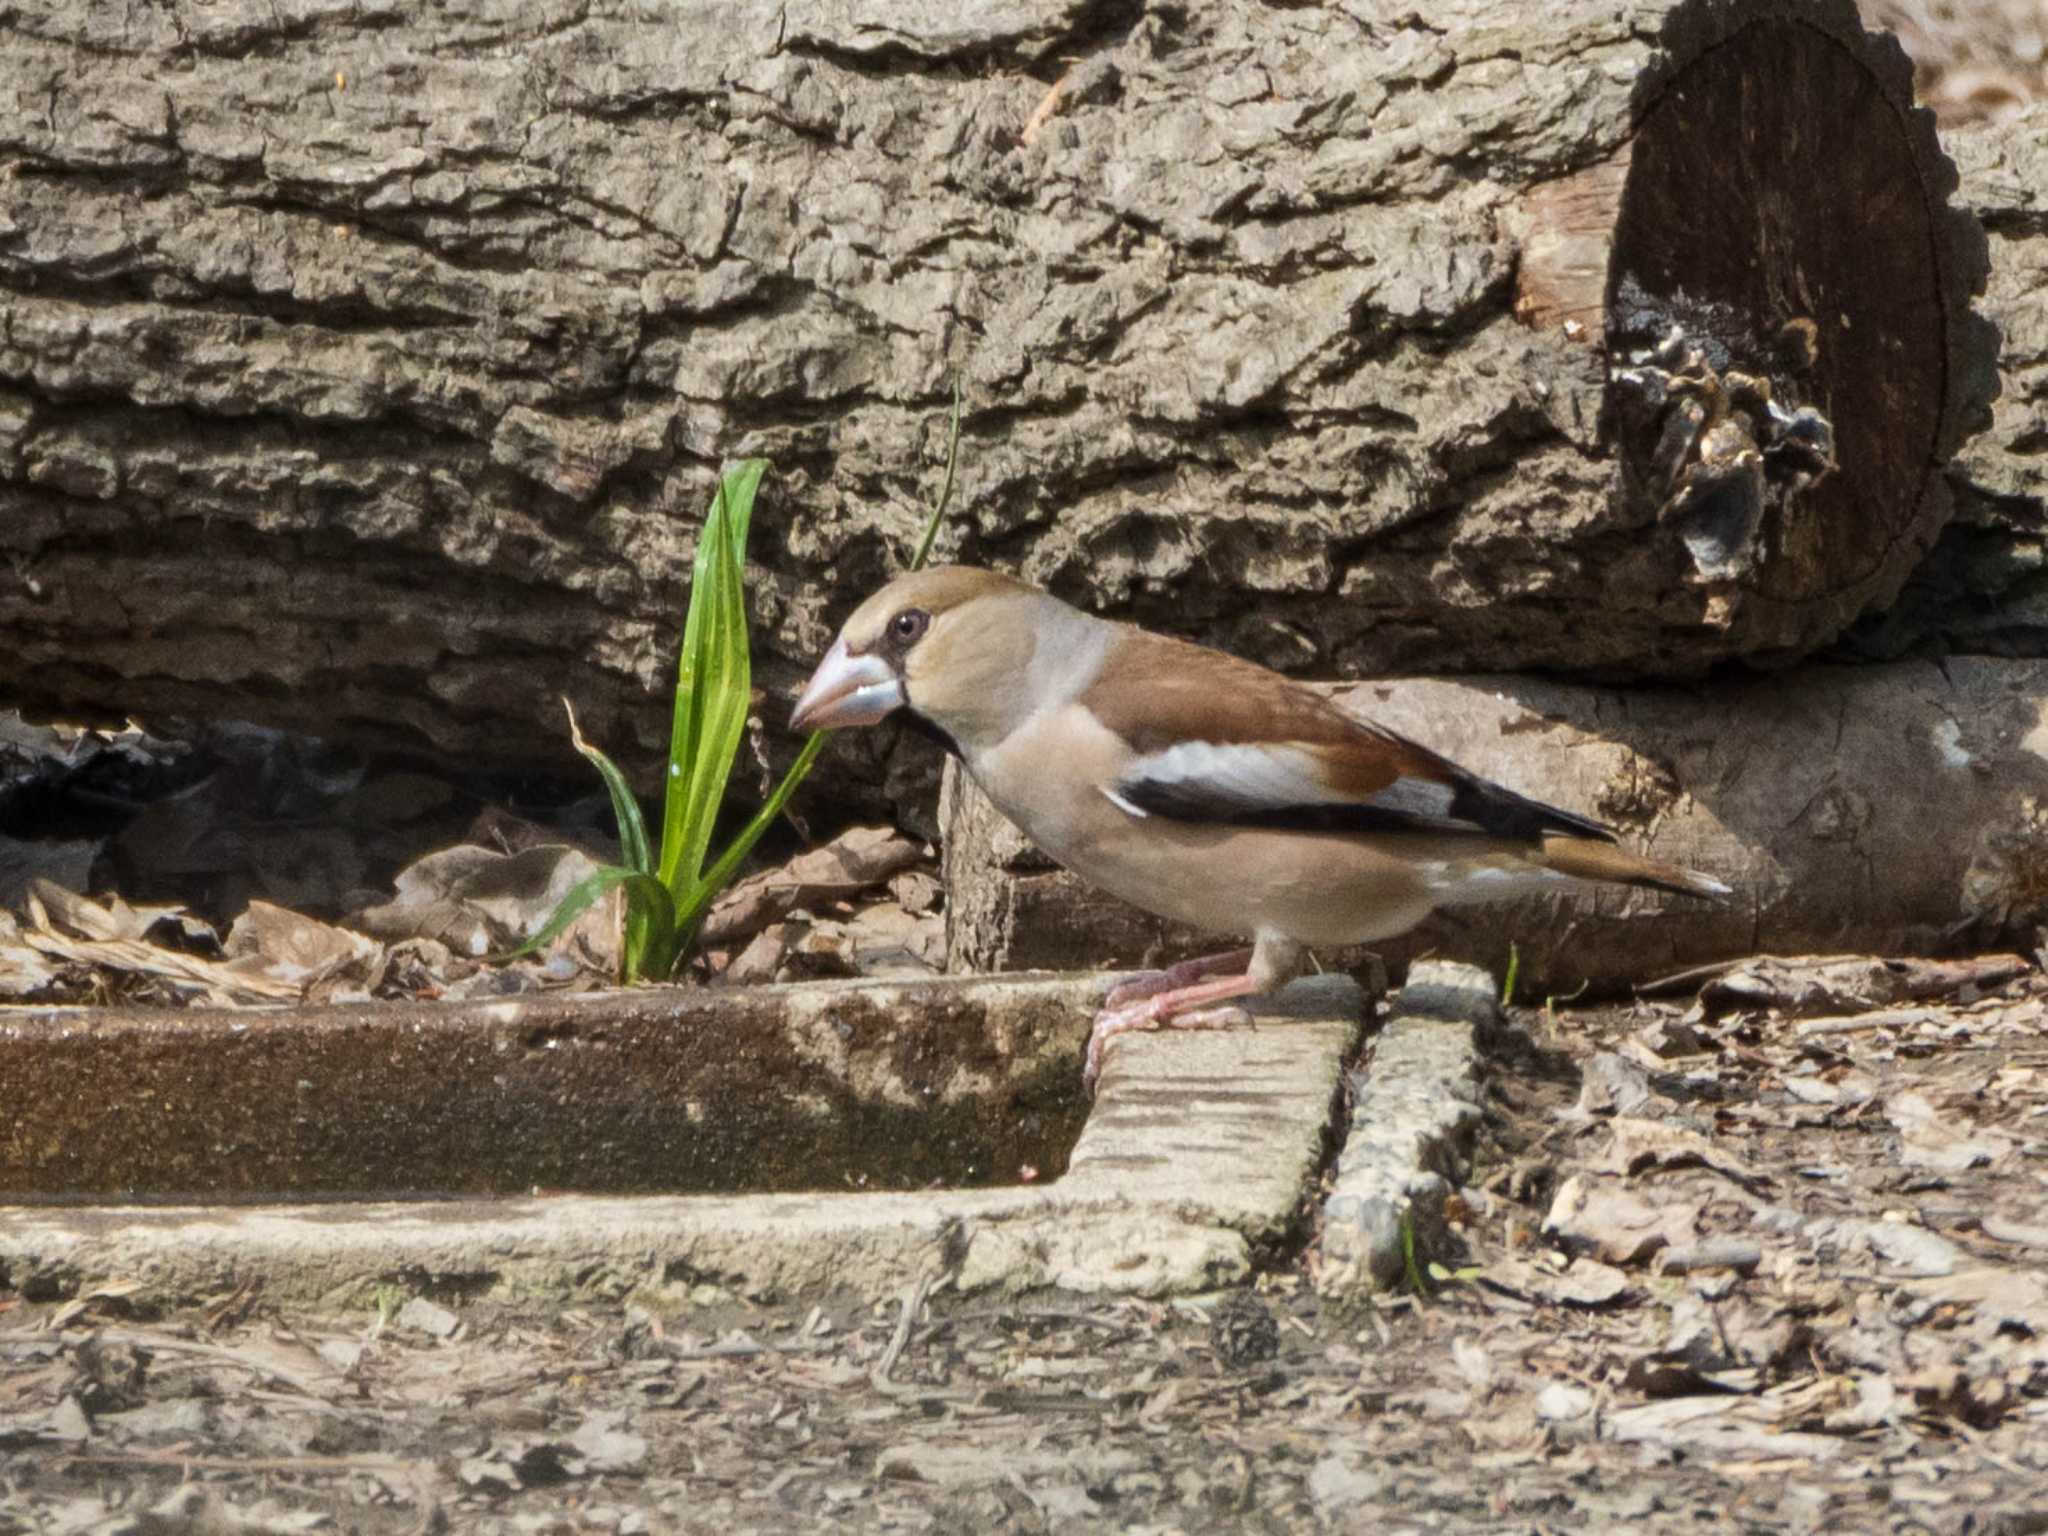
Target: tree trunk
column 364, row 369
column 1789, row 787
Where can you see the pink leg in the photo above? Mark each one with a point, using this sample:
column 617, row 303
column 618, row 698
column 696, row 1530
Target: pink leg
column 1146, row 984
column 1181, row 1007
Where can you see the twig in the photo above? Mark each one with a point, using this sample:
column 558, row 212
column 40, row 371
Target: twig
column 1678, row 981
column 746, row 1349
column 1046, row 106
column 1000, row 1314
column 1850, row 1023
column 1975, row 1439
column 913, row 1303
column 938, row 512
column 1714, row 1253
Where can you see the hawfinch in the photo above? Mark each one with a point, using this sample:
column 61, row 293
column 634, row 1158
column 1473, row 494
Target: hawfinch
column 1197, row 786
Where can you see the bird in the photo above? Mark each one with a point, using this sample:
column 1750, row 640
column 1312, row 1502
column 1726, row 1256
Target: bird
column 1198, row 786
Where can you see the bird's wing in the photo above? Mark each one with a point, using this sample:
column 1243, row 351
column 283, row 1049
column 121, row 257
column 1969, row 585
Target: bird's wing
column 1220, row 740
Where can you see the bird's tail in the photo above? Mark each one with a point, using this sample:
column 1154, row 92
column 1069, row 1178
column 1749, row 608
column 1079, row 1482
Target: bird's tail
column 1584, row 859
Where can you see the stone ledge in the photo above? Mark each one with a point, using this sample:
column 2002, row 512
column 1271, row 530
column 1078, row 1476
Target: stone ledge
column 1195, row 1156
column 1413, row 1121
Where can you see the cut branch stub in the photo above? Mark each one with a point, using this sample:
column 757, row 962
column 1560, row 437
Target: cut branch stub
column 1791, row 352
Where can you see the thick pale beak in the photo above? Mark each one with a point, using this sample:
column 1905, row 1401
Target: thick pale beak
column 847, row 690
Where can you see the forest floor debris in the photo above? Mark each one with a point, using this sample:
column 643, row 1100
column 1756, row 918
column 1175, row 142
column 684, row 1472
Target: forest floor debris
column 257, row 868
column 1779, row 1282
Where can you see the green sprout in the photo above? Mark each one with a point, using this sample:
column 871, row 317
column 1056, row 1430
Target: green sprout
column 1411, row 1268
column 667, row 893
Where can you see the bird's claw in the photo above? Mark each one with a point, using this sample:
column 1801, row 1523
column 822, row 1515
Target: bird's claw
column 1149, row 1015
column 1142, row 985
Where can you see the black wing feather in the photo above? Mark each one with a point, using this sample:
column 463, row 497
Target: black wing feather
column 1475, row 806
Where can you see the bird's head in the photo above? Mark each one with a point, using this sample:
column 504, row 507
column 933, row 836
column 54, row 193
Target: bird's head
column 952, row 645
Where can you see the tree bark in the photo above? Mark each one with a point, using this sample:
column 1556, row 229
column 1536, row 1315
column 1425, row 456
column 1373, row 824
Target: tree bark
column 365, row 369
column 1788, row 787
column 1984, row 588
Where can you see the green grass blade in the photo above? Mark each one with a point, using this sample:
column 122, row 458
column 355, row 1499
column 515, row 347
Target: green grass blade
column 725, row 688
column 692, row 670
column 691, row 909
column 633, row 849
column 666, row 898
column 648, row 947
column 717, row 671
column 582, row 896
column 712, row 682
column 648, row 943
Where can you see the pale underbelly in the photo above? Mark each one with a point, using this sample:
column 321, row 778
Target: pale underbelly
column 1314, row 889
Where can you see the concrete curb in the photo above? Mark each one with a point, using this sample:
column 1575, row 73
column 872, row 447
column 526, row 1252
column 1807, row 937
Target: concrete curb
column 882, row 1084
column 1198, row 1152
column 1416, row 1114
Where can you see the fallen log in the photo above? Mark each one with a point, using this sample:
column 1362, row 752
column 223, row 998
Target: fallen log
column 1983, row 590
column 326, row 409
column 1893, row 810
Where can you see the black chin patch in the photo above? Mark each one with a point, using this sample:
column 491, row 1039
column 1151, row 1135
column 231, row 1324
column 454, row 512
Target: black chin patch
column 912, row 720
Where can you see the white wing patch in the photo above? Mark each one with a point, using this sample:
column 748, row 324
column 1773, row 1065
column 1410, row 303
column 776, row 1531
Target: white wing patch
column 1270, row 776
column 1109, row 793
column 1238, row 774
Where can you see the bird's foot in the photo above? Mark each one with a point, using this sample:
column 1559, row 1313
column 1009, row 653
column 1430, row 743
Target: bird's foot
column 1138, row 987
column 1202, row 1005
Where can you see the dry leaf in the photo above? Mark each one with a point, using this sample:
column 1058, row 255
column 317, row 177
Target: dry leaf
column 1946, row 1143
column 859, row 858
column 1593, row 1216
column 287, row 947
column 1639, row 1145
column 1582, row 1283
column 1812, row 984
column 218, row 983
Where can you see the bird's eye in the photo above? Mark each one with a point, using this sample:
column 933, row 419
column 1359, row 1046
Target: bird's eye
column 909, row 626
